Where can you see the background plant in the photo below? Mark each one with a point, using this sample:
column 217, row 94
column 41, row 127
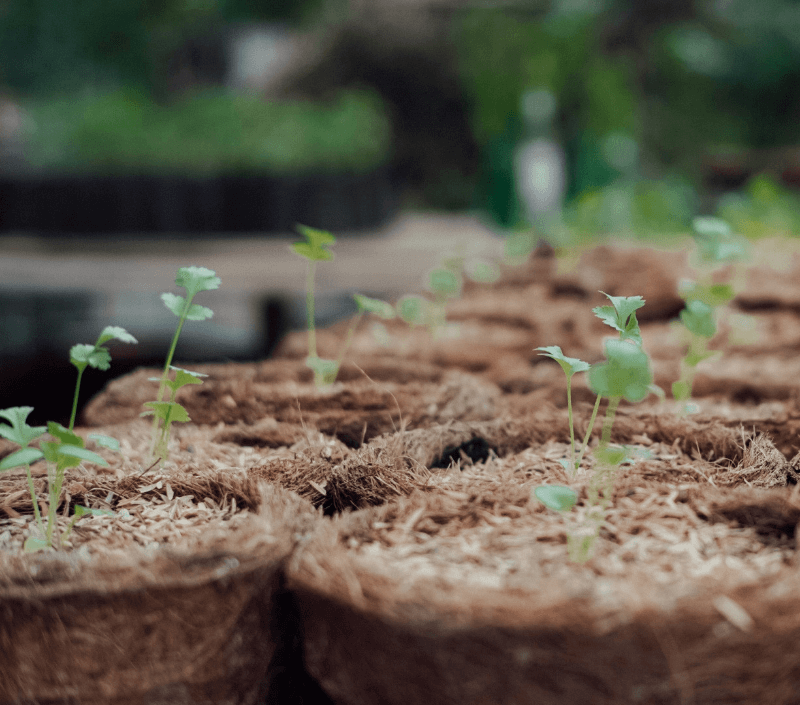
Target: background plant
column 716, row 247
column 194, row 280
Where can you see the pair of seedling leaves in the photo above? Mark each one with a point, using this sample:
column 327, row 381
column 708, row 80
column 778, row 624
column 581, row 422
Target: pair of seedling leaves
column 625, row 374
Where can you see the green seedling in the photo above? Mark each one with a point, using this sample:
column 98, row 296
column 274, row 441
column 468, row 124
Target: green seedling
column 315, row 249
column 66, row 451
column 624, row 374
column 444, row 283
column 194, row 280
column 167, row 412
column 365, row 305
column 716, row 247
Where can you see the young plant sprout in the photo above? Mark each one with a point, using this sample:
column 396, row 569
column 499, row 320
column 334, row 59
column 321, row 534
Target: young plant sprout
column 67, row 450
column 444, row 283
column 716, row 247
column 194, row 280
column 315, row 249
column 624, row 374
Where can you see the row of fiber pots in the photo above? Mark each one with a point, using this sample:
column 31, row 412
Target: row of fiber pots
column 379, row 540
column 102, row 204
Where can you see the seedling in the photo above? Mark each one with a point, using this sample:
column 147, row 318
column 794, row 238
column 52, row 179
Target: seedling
column 624, row 374
column 67, row 450
column 716, row 247
column 315, row 249
column 194, row 280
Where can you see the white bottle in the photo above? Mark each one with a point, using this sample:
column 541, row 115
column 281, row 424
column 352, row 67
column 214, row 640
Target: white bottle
column 540, row 167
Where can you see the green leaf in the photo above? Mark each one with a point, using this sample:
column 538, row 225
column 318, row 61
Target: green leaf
column 162, row 409
column 81, row 511
column 33, row 544
column 556, row 497
column 714, row 295
column 81, row 355
column 64, row 435
column 316, row 247
column 196, row 279
column 444, row 282
column 183, row 377
column 325, row 371
column 21, row 457
column 570, row 365
column 177, row 304
column 698, row 317
column 621, row 316
column 716, row 244
column 115, row 332
column 19, row 431
column 81, row 454
column 379, row 308
column 413, row 309
column 625, row 374
column 105, row 441
column 681, row 390
column 610, row 456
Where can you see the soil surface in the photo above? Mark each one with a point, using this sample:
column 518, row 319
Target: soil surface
column 418, row 468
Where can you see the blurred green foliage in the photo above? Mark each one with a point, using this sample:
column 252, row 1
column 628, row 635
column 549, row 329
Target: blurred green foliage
column 209, row 132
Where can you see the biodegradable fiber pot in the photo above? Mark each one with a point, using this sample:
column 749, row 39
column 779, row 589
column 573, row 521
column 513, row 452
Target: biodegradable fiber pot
column 148, row 627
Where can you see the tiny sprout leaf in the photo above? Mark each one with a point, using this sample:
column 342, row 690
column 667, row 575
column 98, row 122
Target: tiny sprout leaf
column 97, row 357
column 177, row 304
column 556, row 497
column 445, row 282
column 316, row 247
column 80, row 511
column 610, row 456
column 570, row 365
column 81, row 453
column 625, row 374
column 413, row 309
column 105, row 441
column 698, row 317
column 19, row 432
column 33, row 544
column 379, row 308
column 115, row 332
column 196, row 279
column 183, row 377
column 23, row 456
column 325, row 371
column 162, row 409
column 64, row 435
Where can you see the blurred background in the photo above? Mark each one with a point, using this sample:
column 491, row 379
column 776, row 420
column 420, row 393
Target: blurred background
column 139, row 136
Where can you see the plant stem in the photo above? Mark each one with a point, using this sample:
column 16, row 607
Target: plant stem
column 312, row 335
column 32, row 488
column 588, row 432
column 608, row 422
column 75, row 400
column 571, row 426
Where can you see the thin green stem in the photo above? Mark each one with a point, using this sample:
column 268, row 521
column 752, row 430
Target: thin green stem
column 608, row 422
column 32, row 488
column 75, row 399
column 312, row 334
column 588, row 435
column 571, row 426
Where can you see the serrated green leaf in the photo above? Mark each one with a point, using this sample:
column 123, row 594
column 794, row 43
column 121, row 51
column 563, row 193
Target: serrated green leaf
column 64, row 435
column 379, row 308
column 115, row 332
column 316, row 247
column 621, row 316
column 19, row 432
column 625, row 374
column 21, row 457
column 196, row 279
column 97, row 357
column 556, row 497
column 105, row 441
column 198, row 313
column 570, row 365
column 184, row 377
column 174, row 303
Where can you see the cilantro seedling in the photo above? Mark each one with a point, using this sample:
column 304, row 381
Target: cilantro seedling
column 194, row 280
column 315, row 249
column 624, row 374
column 716, row 247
